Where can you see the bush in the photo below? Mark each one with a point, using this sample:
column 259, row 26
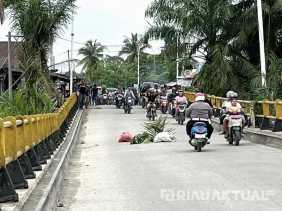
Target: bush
column 25, row 102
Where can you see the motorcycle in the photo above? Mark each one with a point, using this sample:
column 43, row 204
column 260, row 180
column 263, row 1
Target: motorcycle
column 181, row 113
column 105, row 99
column 164, row 105
column 172, row 108
column 119, row 101
column 199, row 134
column 144, row 101
column 128, row 105
column 235, row 127
column 110, row 99
column 151, row 111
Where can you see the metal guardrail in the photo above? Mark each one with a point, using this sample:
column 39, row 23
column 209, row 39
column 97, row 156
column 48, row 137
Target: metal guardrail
column 27, row 142
column 262, row 114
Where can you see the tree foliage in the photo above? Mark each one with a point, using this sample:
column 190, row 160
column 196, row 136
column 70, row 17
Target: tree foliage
column 224, row 33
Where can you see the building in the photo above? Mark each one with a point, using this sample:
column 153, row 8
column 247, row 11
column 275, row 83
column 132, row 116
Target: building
column 16, row 72
column 187, row 78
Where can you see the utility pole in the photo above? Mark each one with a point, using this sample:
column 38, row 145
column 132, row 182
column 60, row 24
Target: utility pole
column 70, row 69
column 261, row 42
column 10, row 75
column 155, row 69
column 72, row 45
column 138, row 65
column 177, row 60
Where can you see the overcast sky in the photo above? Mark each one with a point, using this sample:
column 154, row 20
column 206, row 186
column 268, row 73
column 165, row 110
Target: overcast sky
column 108, row 21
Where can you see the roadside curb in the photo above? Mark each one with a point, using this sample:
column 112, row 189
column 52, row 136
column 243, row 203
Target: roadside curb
column 44, row 194
column 257, row 136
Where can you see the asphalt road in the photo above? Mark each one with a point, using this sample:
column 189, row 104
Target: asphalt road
column 104, row 175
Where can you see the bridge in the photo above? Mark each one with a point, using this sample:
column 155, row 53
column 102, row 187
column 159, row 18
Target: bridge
column 71, row 160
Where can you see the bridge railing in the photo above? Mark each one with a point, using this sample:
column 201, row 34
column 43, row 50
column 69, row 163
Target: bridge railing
column 266, row 115
column 27, row 142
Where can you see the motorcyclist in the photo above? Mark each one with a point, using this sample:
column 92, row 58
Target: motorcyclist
column 199, row 111
column 173, row 95
column 118, row 93
column 180, row 99
column 231, row 106
column 129, row 93
column 152, row 96
column 171, row 98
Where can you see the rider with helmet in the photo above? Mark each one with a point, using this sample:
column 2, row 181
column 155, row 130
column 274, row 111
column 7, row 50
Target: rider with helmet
column 230, row 106
column 181, row 97
column 152, row 95
column 199, row 111
column 129, row 93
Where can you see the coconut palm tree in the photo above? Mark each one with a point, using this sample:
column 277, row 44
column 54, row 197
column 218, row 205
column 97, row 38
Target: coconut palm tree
column 130, row 47
column 1, row 12
column 40, row 22
column 92, row 54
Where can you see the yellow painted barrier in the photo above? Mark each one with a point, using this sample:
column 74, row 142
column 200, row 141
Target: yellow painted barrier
column 269, row 109
column 2, row 153
column 278, row 108
column 20, row 134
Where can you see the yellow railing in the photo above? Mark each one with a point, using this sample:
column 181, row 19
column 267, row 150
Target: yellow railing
column 254, row 109
column 20, row 134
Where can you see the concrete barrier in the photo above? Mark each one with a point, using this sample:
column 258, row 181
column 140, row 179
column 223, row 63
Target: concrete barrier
column 258, row 136
column 46, row 194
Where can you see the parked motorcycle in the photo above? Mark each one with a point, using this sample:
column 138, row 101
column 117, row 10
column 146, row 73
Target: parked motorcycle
column 164, row 104
column 129, row 102
column 199, row 134
column 181, row 113
column 151, row 111
column 235, row 127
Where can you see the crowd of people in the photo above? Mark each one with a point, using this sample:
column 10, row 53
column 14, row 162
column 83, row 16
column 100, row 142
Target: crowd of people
column 167, row 99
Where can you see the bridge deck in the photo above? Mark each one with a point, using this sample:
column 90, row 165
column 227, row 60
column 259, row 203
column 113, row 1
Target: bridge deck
column 104, row 175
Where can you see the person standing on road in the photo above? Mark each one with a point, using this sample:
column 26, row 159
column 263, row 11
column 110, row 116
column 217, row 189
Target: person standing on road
column 94, row 94
column 82, row 95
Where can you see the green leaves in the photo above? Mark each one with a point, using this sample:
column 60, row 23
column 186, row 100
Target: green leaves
column 225, row 33
column 151, row 129
column 26, row 101
column 92, row 54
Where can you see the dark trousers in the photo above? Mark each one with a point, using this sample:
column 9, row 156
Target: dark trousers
column 191, row 123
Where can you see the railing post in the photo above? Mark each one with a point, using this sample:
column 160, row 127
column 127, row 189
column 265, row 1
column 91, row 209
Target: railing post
column 278, row 121
column 252, row 114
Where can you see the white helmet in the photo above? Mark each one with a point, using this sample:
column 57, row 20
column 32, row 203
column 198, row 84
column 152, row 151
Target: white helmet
column 231, row 94
column 200, row 97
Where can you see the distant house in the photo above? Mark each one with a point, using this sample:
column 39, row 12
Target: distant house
column 188, row 78
column 16, row 72
column 15, row 66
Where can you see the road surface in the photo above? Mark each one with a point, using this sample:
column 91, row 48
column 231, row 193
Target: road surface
column 104, row 175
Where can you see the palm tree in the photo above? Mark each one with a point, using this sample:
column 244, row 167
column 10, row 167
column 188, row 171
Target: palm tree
column 130, row 47
column 92, row 54
column 1, row 12
column 39, row 22
column 225, row 33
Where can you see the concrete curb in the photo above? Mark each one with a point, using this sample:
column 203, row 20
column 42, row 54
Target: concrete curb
column 257, row 136
column 48, row 200
column 44, row 195
column 25, row 194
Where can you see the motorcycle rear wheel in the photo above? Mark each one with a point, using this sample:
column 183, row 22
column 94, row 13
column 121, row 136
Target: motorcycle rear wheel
column 237, row 137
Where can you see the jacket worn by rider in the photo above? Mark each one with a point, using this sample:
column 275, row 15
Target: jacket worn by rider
column 129, row 94
column 200, row 110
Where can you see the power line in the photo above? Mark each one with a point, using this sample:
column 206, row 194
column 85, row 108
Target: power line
column 81, row 43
